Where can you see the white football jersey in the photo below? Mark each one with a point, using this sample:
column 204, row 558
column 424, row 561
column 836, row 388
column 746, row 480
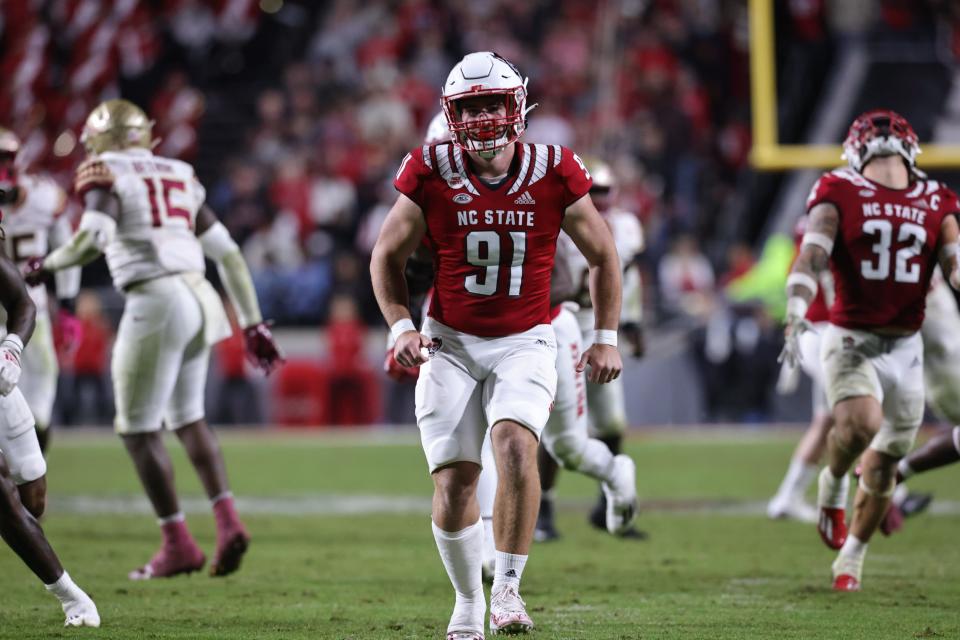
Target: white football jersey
column 628, row 235
column 28, row 226
column 159, row 200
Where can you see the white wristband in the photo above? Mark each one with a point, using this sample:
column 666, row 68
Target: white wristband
column 400, row 327
column 605, row 336
column 17, row 343
column 797, row 307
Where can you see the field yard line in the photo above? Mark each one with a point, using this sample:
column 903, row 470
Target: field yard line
column 340, row 504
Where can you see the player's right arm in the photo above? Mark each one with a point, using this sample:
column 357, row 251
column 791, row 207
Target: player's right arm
column 813, row 260
column 21, row 316
column 400, row 235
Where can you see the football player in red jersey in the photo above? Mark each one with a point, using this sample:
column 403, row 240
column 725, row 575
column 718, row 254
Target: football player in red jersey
column 881, row 226
column 492, row 209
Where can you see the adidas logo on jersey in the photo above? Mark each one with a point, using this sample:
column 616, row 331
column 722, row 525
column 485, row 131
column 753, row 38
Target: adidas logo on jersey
column 525, row 198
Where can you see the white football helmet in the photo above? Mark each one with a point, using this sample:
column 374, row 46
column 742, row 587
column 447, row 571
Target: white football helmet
column 437, row 130
column 480, row 74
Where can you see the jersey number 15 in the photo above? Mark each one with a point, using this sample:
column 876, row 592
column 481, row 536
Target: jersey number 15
column 161, row 209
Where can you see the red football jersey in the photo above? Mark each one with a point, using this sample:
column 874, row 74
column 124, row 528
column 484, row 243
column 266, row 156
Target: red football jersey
column 886, row 247
column 493, row 248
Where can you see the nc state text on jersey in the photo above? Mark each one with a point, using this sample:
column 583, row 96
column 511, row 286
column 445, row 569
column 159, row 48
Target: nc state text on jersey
column 473, row 217
column 894, row 210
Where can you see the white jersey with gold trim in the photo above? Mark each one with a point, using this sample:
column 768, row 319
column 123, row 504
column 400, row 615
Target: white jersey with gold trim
column 159, row 200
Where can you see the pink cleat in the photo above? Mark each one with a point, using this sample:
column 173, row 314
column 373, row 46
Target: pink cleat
column 232, row 538
column 170, row 561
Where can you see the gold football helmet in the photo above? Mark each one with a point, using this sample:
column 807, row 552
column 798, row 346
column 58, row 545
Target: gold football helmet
column 600, row 171
column 117, row 124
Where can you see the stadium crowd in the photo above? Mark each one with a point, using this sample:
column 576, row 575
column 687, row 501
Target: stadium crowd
column 297, row 138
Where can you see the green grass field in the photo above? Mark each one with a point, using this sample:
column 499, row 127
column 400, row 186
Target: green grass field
column 702, row 574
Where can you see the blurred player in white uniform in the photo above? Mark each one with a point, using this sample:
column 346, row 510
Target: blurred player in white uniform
column 20, row 456
column 606, row 406
column 147, row 214
column 34, row 223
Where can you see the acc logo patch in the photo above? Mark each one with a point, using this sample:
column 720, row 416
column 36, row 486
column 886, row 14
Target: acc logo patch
column 463, row 198
column 866, row 193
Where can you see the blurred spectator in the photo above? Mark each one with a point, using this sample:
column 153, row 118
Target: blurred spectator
column 686, row 279
column 354, row 389
column 89, row 400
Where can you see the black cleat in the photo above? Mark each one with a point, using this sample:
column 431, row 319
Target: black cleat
column 546, row 529
column 598, row 520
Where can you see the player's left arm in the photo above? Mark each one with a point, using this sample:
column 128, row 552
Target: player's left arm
column 949, row 248
column 219, row 246
column 98, row 227
column 583, row 223
column 21, row 317
column 66, row 281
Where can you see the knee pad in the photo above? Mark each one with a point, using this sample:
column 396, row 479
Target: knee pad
column 879, row 492
column 23, row 455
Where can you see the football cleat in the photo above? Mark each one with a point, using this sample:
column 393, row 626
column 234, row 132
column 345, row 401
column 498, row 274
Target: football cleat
column 847, row 570
column 915, row 503
column 81, row 613
column 892, row 520
column 171, row 561
column 464, row 635
column 843, row 582
column 230, row 550
column 621, row 494
column 832, row 526
column 508, row 612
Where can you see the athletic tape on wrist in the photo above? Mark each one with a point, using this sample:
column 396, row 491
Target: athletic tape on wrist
column 797, row 307
column 605, row 336
column 400, row 327
column 802, row 280
column 817, row 239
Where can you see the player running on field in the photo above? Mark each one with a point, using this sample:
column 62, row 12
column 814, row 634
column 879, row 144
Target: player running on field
column 491, row 208
column 605, row 403
column 881, row 227
column 20, row 456
column 147, row 214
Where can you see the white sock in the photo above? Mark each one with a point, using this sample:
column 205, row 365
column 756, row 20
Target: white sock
column 462, row 552
column 596, row 461
column 489, row 545
column 904, row 468
column 65, row 589
column 799, row 476
column 832, row 491
column 509, row 570
column 956, row 439
column 853, row 546
column 176, row 517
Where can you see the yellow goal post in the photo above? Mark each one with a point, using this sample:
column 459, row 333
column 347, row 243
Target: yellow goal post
column 767, row 153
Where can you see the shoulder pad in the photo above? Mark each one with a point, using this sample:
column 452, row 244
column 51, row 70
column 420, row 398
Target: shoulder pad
column 91, row 174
